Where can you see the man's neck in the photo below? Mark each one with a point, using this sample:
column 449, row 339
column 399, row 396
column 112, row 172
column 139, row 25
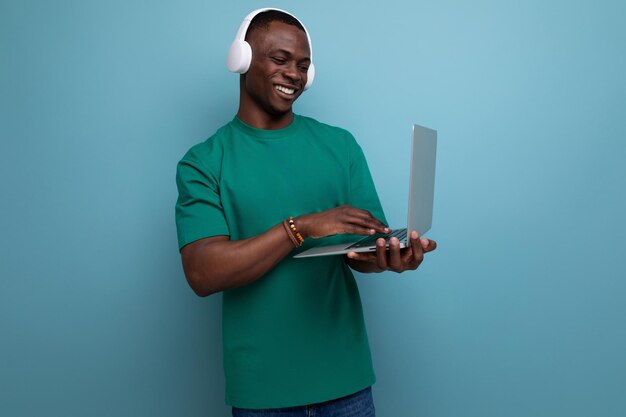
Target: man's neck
column 265, row 121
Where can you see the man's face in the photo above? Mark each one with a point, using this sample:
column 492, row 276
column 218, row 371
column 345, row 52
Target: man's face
column 278, row 71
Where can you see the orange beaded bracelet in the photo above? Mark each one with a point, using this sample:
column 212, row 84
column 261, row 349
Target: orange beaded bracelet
column 294, row 230
column 290, row 234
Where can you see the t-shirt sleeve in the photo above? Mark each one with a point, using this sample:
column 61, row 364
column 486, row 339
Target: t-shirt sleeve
column 362, row 190
column 199, row 212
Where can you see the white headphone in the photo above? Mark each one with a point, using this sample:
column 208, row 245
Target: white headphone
column 240, row 52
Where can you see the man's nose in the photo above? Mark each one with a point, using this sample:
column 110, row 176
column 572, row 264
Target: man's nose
column 292, row 72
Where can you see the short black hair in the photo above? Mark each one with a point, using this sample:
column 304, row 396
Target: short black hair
column 263, row 20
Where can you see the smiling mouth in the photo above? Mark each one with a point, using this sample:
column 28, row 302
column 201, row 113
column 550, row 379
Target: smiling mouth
column 286, row 90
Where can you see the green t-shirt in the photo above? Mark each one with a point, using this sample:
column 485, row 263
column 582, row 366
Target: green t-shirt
column 295, row 336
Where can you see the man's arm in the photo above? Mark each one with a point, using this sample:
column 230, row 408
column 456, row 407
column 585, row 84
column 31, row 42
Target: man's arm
column 216, row 263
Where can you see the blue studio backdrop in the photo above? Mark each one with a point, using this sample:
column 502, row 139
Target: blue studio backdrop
column 520, row 312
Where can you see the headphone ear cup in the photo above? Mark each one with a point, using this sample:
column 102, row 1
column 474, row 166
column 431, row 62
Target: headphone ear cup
column 310, row 75
column 239, row 57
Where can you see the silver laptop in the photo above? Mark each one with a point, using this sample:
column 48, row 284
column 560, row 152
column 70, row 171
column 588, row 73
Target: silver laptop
column 421, row 193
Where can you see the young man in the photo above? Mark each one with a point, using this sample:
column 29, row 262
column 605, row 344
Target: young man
column 265, row 186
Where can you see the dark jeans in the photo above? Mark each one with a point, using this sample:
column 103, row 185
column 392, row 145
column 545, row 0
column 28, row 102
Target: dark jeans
column 359, row 404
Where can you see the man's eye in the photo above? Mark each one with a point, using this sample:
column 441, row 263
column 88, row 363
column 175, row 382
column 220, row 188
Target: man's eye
column 279, row 60
column 304, row 68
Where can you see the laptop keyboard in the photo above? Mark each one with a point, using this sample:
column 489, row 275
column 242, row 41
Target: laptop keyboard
column 371, row 240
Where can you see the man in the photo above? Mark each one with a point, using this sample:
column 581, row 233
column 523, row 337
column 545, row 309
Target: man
column 265, row 186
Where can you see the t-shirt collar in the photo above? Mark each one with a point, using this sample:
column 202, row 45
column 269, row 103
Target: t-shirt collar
column 267, row 134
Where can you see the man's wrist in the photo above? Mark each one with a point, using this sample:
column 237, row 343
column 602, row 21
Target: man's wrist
column 302, row 226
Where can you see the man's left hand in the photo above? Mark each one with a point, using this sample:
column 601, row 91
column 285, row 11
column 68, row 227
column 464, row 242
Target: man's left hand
column 394, row 259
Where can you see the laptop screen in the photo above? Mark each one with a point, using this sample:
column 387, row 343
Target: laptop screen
column 422, row 180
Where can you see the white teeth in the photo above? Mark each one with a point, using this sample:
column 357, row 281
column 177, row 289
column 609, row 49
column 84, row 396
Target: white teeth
column 285, row 90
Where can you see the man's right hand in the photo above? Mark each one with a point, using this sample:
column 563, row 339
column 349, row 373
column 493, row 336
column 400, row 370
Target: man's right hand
column 339, row 220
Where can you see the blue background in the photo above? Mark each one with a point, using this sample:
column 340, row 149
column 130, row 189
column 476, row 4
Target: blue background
column 520, row 312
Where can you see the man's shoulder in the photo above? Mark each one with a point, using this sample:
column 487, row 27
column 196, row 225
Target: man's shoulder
column 325, row 129
column 211, row 145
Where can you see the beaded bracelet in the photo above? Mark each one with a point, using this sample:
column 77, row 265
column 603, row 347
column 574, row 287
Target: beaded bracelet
column 290, row 234
column 294, row 230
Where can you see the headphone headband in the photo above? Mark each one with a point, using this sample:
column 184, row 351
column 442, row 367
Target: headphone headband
column 240, row 52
